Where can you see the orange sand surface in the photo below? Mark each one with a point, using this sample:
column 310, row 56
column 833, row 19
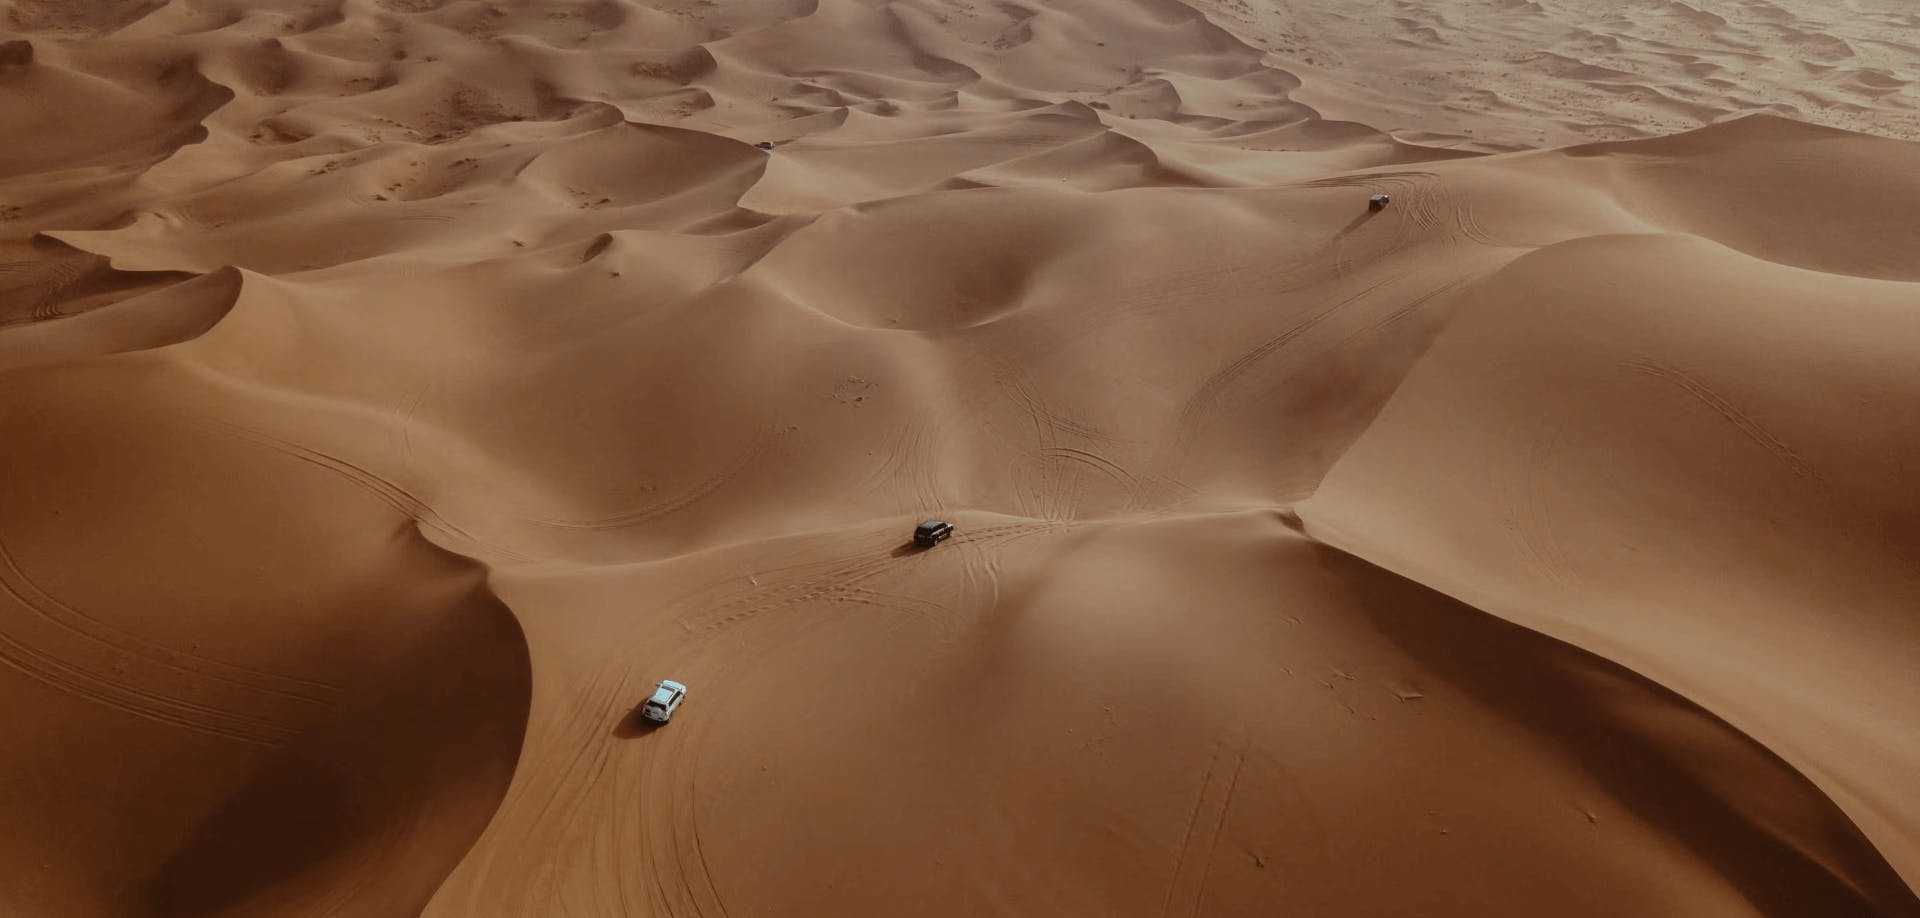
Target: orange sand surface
column 392, row 392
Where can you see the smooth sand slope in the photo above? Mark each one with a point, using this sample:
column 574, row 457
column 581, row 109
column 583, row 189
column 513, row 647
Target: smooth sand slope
column 392, row 391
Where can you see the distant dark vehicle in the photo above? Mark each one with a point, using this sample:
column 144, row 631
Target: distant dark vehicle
column 765, row 144
column 1379, row 201
column 931, row 533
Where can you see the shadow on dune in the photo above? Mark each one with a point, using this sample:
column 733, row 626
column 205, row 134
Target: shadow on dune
column 906, row 548
column 633, row 726
column 367, row 813
column 1732, row 802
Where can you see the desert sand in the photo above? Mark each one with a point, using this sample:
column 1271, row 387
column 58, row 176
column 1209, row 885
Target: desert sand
column 393, row 391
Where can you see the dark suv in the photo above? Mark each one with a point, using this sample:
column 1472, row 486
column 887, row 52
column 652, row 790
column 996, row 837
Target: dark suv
column 931, row 533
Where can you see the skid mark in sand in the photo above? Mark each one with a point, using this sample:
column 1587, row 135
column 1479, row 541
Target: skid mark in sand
column 373, row 483
column 1188, row 889
column 674, row 504
column 1740, row 420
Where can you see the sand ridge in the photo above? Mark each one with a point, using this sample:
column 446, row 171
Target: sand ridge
column 395, row 390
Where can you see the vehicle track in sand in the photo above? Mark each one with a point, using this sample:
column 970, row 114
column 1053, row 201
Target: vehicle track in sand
column 1186, row 892
column 699, row 490
column 17, row 583
column 379, row 486
column 1740, row 420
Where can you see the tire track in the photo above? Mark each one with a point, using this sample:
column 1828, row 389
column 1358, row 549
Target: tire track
column 1730, row 413
column 1401, row 179
column 925, row 475
column 1060, row 493
column 1019, row 387
column 1129, row 483
column 1408, row 190
column 674, row 504
column 1457, row 219
column 379, row 486
column 1468, row 220
column 910, row 469
column 699, row 849
column 571, row 787
column 75, row 680
column 891, row 469
column 16, row 582
column 1410, row 308
column 825, row 578
column 846, row 580
column 1186, row 892
column 38, row 285
column 1525, row 513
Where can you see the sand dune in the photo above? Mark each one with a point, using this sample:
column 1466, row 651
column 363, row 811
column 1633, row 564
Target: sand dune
column 395, row 390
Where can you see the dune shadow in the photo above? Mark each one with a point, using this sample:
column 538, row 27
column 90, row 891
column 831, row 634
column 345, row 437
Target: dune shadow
column 359, row 805
column 1641, row 741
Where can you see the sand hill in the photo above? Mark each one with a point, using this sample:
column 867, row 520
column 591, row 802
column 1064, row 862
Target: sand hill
column 393, row 391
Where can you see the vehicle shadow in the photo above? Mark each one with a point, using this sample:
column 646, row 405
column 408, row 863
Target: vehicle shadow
column 633, row 726
column 1355, row 224
column 907, row 548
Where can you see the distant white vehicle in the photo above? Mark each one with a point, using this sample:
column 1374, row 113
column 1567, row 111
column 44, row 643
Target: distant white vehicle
column 666, row 699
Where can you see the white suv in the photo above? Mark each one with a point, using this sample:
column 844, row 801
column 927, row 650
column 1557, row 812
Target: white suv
column 666, row 699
